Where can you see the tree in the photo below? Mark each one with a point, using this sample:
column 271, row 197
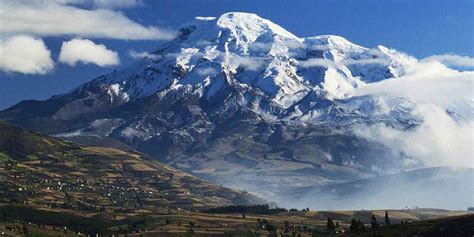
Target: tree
column 354, row 228
column 361, row 226
column 330, row 226
column 26, row 232
column 286, row 229
column 357, row 226
column 191, row 226
column 373, row 222
column 387, row 219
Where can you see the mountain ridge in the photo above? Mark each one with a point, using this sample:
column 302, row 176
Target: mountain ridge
column 240, row 101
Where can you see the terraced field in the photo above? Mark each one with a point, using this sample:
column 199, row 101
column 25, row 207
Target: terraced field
column 45, row 171
column 185, row 223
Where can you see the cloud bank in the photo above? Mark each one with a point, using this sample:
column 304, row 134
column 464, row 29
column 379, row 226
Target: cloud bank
column 445, row 104
column 87, row 52
column 25, row 54
column 452, row 60
column 48, row 18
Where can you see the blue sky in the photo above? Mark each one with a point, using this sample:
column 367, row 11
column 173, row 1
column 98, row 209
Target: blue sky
column 419, row 28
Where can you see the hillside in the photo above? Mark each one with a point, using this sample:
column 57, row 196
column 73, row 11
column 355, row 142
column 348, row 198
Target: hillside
column 44, row 171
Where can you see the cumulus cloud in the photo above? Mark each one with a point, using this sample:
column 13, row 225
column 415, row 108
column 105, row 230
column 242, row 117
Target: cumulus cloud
column 86, row 51
column 141, row 55
column 25, row 54
column 452, row 60
column 438, row 141
column 444, row 103
column 430, row 82
column 49, row 18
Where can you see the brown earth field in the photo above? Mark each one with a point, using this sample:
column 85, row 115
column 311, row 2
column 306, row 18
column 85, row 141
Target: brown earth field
column 39, row 221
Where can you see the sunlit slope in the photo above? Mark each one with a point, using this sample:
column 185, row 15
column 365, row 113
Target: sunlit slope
column 46, row 171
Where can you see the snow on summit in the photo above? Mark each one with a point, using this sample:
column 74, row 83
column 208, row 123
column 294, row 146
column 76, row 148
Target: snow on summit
column 252, row 53
column 258, row 65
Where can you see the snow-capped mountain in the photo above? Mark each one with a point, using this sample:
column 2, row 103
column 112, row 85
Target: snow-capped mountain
column 260, row 60
column 241, row 101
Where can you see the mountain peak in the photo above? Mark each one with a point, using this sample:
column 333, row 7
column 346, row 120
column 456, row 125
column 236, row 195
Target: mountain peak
column 335, row 41
column 268, row 69
column 251, row 25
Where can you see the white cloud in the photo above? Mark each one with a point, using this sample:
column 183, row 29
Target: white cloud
column 249, row 63
column 116, row 3
column 206, row 71
column 438, row 141
column 86, row 51
column 319, row 47
column 429, row 82
column 294, row 44
column 141, row 55
column 442, row 138
column 205, row 18
column 321, row 62
column 258, row 46
column 452, row 60
column 110, row 4
column 203, row 43
column 382, row 61
column 317, row 62
column 49, row 18
column 25, row 54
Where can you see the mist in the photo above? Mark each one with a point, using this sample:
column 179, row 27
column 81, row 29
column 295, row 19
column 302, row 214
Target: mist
column 444, row 139
column 440, row 188
column 438, row 153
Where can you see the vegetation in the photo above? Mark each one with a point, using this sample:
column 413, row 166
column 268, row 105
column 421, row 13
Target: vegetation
column 357, row 226
column 254, row 209
column 88, row 225
column 387, row 219
column 331, row 226
column 53, row 173
column 373, row 222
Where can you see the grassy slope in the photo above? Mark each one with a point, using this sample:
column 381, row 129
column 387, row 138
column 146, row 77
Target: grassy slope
column 39, row 159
